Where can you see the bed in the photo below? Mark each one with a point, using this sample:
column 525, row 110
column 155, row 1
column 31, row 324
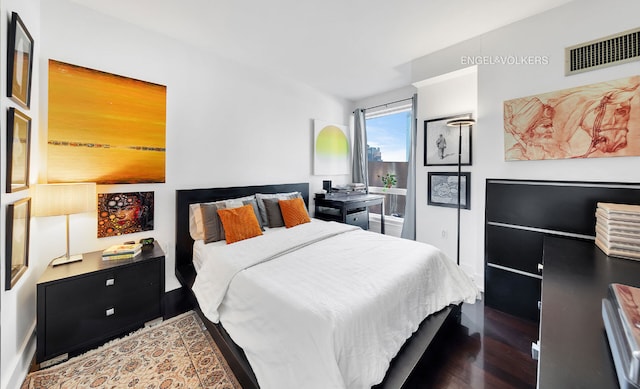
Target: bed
column 310, row 307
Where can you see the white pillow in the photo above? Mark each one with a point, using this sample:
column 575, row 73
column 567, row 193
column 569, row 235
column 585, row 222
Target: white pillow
column 235, row 203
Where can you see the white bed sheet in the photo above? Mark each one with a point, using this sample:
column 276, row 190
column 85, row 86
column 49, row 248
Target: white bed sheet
column 326, row 314
column 203, row 250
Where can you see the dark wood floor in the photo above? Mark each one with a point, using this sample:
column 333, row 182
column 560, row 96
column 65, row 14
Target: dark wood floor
column 490, row 349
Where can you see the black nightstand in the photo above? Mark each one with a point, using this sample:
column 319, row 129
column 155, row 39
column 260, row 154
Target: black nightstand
column 83, row 304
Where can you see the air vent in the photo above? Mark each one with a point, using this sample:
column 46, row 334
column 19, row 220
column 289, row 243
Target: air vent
column 612, row 50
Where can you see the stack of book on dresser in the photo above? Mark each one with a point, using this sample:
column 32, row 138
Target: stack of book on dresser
column 618, row 230
column 122, row 251
column 621, row 316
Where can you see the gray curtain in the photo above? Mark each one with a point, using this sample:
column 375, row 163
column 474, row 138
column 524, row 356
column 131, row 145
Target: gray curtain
column 409, row 224
column 359, row 170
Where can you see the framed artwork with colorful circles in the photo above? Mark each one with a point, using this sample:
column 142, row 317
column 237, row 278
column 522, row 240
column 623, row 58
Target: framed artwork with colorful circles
column 124, row 213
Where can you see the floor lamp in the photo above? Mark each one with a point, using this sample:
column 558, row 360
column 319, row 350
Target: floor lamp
column 459, row 123
column 64, row 199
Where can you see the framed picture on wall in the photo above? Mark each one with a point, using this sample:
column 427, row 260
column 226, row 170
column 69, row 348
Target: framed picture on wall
column 124, row 213
column 18, row 146
column 17, row 241
column 330, row 148
column 19, row 62
column 122, row 121
column 442, row 189
column 441, row 142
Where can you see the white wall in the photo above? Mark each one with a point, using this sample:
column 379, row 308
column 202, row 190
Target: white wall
column 227, row 125
column 547, row 35
column 450, row 94
column 17, row 305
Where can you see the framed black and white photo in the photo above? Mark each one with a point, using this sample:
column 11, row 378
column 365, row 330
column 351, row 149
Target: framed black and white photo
column 441, row 142
column 18, row 146
column 19, row 62
column 17, row 241
column 443, row 189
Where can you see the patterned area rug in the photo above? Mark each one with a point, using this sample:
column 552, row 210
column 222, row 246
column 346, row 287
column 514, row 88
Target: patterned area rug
column 178, row 353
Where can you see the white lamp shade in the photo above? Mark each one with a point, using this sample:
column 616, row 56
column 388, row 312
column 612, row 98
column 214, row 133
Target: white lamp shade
column 64, row 199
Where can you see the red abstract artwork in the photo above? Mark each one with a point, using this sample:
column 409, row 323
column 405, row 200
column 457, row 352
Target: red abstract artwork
column 598, row 120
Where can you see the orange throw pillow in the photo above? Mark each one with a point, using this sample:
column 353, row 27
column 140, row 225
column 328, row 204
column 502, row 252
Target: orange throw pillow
column 239, row 223
column 294, row 212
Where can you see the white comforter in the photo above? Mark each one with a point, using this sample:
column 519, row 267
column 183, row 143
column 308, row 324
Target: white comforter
column 325, row 305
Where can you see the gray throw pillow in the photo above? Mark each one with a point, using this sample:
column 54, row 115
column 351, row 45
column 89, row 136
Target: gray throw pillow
column 274, row 215
column 254, row 204
column 212, row 225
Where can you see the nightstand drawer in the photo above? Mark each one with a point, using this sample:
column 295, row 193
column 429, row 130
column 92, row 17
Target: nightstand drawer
column 100, row 289
column 102, row 319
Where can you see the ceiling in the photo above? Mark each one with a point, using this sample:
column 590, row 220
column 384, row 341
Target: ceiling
column 348, row 48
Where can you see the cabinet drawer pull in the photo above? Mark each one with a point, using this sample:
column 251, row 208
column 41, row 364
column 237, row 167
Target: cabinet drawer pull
column 540, row 267
column 110, row 312
column 535, row 350
column 110, row 282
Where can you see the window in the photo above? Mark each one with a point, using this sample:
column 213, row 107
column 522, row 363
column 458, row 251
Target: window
column 388, row 148
column 388, row 137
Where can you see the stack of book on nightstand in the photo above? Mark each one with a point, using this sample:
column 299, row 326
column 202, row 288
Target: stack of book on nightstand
column 122, row 251
column 618, row 230
column 621, row 317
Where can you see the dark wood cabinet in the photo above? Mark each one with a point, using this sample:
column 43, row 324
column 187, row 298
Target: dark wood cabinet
column 519, row 215
column 83, row 304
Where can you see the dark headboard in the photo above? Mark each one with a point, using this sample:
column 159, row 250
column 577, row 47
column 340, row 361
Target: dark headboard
column 185, row 271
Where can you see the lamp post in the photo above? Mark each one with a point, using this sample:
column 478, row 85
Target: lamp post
column 459, row 123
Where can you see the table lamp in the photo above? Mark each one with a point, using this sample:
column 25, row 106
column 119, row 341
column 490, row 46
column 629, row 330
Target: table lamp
column 64, row 199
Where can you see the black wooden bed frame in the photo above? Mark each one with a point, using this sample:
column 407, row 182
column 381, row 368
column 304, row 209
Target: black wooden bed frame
column 401, row 366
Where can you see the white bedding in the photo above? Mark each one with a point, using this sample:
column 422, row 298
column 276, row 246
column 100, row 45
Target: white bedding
column 201, row 250
column 325, row 305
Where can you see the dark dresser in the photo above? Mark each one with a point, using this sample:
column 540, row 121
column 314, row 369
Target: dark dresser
column 83, row 304
column 574, row 350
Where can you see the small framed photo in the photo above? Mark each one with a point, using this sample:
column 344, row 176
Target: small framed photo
column 443, row 189
column 18, row 146
column 19, row 62
column 17, row 241
column 441, row 142
column 124, row 213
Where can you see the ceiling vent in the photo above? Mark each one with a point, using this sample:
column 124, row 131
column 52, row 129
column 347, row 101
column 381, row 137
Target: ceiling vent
column 601, row 53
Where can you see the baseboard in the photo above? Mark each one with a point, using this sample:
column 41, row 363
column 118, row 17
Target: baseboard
column 22, row 362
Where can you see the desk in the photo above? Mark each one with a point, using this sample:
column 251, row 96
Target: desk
column 349, row 208
column 574, row 350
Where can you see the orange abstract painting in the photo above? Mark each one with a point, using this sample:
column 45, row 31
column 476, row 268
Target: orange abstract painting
column 104, row 128
column 597, row 120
